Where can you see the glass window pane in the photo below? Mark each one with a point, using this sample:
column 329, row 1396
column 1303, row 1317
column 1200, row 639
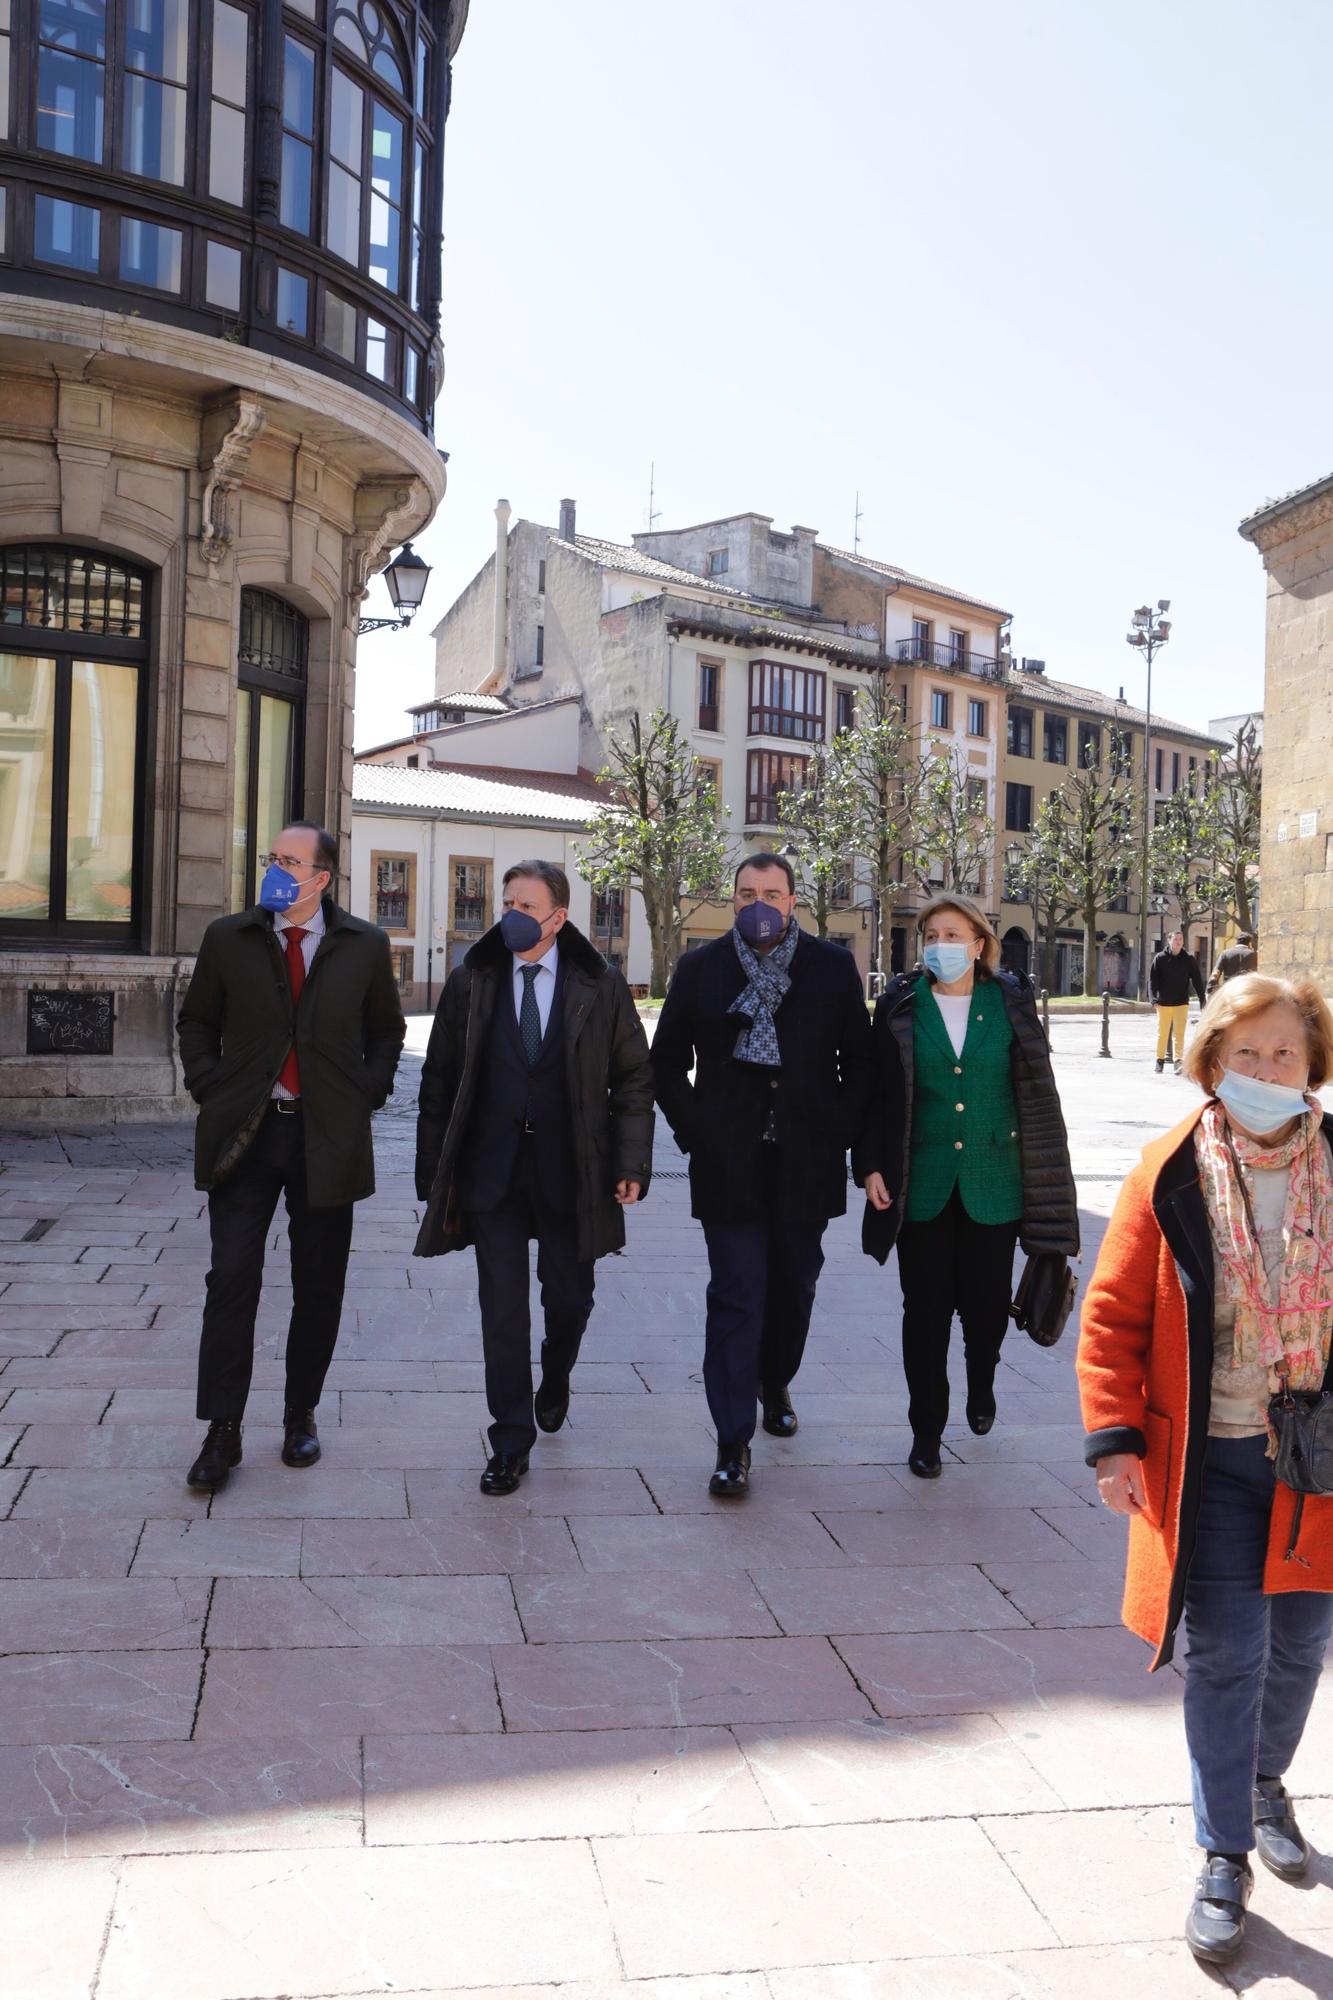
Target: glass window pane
column 27, row 701
column 411, row 373
column 155, row 130
column 343, row 235
column 99, row 849
column 293, row 306
column 240, row 792
column 386, row 155
column 346, row 113
column 423, row 58
column 416, row 270
column 74, row 24
column 69, row 106
column 222, row 277
column 306, row 7
column 346, row 31
column 231, row 48
column 4, row 86
column 65, row 232
column 377, row 350
column 418, row 182
column 298, row 90
column 4, row 221
column 388, row 67
column 273, row 807
column 338, row 332
column 385, row 243
column 156, row 37
column 226, row 155
column 294, row 205
column 150, row 254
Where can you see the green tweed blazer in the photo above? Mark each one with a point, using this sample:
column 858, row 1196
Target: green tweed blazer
column 965, row 1119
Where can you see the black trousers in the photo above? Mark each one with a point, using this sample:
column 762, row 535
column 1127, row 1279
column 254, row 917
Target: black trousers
column 240, row 1210
column 501, row 1236
column 949, row 1265
column 761, row 1292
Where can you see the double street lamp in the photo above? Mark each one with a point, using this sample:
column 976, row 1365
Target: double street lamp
column 1151, row 630
column 407, row 576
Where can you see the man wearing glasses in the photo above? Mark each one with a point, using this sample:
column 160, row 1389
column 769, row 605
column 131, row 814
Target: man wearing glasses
column 290, row 1034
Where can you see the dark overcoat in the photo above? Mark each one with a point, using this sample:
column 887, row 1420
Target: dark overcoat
column 819, row 1094
column 607, row 1074
column 1050, row 1200
column 237, row 1023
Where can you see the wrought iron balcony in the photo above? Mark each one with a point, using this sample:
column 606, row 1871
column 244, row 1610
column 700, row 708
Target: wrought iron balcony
column 928, row 653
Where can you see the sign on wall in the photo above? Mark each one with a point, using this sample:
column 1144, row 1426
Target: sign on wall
column 70, row 1024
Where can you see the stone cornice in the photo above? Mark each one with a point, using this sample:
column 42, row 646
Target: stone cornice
column 1294, row 519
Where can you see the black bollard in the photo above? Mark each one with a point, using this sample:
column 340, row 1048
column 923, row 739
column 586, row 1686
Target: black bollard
column 1105, row 1048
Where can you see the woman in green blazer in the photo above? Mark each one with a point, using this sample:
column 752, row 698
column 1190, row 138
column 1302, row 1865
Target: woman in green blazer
column 965, row 1155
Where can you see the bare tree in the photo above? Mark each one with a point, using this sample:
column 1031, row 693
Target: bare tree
column 884, row 775
column 955, row 833
column 1080, row 832
column 1233, row 799
column 820, row 820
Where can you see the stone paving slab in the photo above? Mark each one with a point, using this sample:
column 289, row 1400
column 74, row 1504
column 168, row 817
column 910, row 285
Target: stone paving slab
column 359, row 1730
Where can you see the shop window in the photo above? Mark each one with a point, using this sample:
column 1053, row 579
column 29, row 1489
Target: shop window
column 268, row 783
column 73, row 664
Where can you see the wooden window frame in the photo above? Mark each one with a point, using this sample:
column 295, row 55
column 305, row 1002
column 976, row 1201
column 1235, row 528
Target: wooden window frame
column 978, row 706
column 707, row 663
column 1019, row 713
column 770, row 710
column 760, row 800
column 377, row 855
column 486, row 863
column 941, row 698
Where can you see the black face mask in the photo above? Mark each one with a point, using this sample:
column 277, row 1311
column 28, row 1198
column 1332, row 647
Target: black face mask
column 520, row 931
column 760, row 923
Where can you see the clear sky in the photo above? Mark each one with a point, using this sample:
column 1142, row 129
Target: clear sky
column 1048, row 282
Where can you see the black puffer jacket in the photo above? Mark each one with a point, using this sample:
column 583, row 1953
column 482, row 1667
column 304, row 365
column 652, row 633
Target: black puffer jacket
column 1050, row 1200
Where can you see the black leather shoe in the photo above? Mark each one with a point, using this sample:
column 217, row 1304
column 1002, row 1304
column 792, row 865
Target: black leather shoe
column 300, row 1439
column 732, row 1477
column 503, row 1473
column 1215, row 1927
column 924, row 1459
column 981, row 1413
column 1159, row 1067
column 551, row 1406
column 1282, row 1846
column 779, row 1416
column 221, row 1451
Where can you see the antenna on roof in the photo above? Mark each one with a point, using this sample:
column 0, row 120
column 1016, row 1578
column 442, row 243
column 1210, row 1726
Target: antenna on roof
column 654, row 513
column 856, row 527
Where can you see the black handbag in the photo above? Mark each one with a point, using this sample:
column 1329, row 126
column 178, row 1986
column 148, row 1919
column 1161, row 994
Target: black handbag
column 1302, row 1420
column 1045, row 1297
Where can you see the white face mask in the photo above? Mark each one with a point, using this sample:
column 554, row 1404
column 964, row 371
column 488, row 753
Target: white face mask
column 1259, row 1107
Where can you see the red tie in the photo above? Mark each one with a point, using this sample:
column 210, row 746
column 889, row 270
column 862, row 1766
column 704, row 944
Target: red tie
column 289, row 1076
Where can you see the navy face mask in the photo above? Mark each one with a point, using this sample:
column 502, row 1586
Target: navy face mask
column 520, row 931
column 760, row 923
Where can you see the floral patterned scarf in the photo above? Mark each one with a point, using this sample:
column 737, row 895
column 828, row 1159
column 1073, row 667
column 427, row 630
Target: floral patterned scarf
column 1289, row 1335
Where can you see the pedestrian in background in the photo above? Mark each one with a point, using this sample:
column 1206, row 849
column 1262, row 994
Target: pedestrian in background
column 1214, row 1287
column 1236, row 959
column 965, row 1155
column 1173, row 975
column 290, row 1032
column 773, row 1024
column 535, row 1120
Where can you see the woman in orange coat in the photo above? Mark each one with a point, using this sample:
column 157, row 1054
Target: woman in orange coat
column 1215, row 1283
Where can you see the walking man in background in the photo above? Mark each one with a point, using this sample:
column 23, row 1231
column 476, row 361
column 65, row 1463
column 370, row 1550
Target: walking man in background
column 535, row 1120
column 290, row 1034
column 1172, row 977
column 1237, row 958
column 774, row 1025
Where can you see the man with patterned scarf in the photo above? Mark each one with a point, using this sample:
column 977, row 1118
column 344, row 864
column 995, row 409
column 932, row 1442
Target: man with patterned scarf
column 773, row 1025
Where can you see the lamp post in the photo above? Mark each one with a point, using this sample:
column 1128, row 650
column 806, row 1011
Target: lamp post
column 1151, row 630
column 1015, row 855
column 407, row 576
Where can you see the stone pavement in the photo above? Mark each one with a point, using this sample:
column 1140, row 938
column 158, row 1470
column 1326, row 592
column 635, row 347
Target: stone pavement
column 359, row 1731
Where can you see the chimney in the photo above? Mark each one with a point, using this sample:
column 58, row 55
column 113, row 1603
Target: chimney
column 501, row 652
column 1034, row 666
column 566, row 520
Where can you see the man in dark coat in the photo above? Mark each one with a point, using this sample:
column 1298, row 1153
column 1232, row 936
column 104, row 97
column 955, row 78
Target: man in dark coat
column 1173, row 975
column 290, row 1034
column 774, row 1025
column 1237, row 958
column 536, row 1120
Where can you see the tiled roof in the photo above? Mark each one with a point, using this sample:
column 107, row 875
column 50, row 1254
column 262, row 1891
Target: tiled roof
column 632, row 562
column 906, row 576
column 1286, row 500
column 777, row 633
column 1064, row 694
column 477, row 791
column 481, row 704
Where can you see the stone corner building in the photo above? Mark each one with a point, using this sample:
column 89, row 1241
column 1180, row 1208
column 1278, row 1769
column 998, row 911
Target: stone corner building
column 219, row 355
column 1294, row 536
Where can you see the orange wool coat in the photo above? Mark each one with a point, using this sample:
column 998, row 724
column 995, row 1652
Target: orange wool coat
column 1145, row 1361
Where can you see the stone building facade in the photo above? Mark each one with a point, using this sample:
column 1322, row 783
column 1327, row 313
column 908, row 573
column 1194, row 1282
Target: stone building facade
column 219, row 353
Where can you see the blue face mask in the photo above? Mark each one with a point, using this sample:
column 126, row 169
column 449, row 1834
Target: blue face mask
column 520, row 931
column 760, row 923
column 948, row 961
column 279, row 890
column 1259, row 1107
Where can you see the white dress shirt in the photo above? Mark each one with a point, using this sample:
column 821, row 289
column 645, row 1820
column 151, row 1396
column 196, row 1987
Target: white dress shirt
column 543, row 985
column 310, row 943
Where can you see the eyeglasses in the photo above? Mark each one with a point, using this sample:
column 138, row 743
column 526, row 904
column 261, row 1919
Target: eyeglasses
column 291, row 862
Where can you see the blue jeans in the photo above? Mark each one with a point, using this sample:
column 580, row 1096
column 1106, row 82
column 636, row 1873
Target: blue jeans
column 1252, row 1661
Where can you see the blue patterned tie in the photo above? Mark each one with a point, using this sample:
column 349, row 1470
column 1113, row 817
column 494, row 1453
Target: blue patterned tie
column 529, row 1018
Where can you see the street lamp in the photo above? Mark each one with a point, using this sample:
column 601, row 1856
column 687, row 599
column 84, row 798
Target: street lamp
column 407, row 576
column 1151, row 630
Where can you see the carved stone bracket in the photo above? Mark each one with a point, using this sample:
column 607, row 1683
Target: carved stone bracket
column 224, row 476
column 384, row 509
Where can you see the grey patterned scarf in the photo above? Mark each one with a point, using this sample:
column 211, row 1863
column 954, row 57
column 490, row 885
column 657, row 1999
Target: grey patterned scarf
column 769, row 978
